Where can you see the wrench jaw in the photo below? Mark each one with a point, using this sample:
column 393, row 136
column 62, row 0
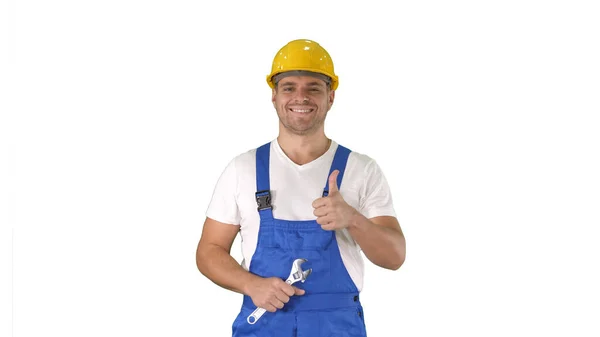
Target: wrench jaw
column 295, row 277
column 305, row 274
column 297, row 274
column 296, row 266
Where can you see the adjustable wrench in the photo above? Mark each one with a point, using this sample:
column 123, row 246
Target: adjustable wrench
column 296, row 274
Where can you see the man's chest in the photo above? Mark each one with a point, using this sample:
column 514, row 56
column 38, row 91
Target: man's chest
column 293, row 192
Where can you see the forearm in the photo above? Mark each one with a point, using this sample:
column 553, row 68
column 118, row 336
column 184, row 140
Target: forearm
column 220, row 267
column 384, row 246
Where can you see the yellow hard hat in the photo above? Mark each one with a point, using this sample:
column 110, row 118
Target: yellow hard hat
column 303, row 55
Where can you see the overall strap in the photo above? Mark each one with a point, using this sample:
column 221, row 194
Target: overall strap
column 339, row 163
column 263, row 192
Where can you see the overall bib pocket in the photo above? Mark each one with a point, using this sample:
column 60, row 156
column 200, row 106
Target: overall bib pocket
column 296, row 235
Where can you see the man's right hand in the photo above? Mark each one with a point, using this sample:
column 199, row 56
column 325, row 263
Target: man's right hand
column 272, row 293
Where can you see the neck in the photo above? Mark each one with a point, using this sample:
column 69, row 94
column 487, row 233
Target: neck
column 303, row 149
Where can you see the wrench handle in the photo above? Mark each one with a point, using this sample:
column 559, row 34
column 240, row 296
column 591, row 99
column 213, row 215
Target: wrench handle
column 255, row 315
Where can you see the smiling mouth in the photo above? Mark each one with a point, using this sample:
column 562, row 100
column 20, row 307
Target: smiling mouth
column 302, row 111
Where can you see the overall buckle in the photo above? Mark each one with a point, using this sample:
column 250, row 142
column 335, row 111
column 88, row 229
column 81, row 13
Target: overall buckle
column 263, row 199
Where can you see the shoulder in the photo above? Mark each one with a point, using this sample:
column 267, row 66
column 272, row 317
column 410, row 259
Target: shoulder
column 364, row 170
column 246, row 160
column 361, row 162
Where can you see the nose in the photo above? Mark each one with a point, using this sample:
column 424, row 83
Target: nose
column 302, row 96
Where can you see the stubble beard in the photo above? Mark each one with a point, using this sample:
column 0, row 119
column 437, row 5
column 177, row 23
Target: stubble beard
column 298, row 130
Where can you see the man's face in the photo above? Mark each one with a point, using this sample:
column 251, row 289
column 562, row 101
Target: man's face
column 302, row 103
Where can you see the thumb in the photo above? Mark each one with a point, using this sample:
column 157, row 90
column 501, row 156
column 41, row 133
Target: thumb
column 333, row 187
column 298, row 291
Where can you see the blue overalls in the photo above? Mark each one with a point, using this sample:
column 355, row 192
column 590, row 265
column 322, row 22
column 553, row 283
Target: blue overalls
column 331, row 306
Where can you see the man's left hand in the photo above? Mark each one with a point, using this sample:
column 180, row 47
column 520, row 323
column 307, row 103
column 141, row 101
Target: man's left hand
column 332, row 211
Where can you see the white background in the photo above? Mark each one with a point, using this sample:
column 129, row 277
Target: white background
column 117, row 118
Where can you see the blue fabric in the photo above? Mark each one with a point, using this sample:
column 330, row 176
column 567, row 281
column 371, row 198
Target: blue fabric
column 339, row 163
column 331, row 305
column 262, row 167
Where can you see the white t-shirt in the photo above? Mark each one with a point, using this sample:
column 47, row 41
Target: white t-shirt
column 293, row 189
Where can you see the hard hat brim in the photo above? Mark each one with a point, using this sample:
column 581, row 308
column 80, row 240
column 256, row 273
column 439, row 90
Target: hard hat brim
column 334, row 78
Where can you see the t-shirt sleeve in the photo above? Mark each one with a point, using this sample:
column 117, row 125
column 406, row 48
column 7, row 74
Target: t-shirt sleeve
column 223, row 206
column 376, row 196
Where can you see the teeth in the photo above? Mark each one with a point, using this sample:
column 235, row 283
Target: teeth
column 297, row 110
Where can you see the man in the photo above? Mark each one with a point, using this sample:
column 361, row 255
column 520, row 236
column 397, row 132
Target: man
column 300, row 196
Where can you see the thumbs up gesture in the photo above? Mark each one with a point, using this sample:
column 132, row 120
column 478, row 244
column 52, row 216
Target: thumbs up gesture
column 332, row 211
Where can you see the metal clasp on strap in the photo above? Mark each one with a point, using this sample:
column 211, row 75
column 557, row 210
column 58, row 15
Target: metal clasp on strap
column 263, row 199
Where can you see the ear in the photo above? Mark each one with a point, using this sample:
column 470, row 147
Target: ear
column 273, row 93
column 331, row 97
